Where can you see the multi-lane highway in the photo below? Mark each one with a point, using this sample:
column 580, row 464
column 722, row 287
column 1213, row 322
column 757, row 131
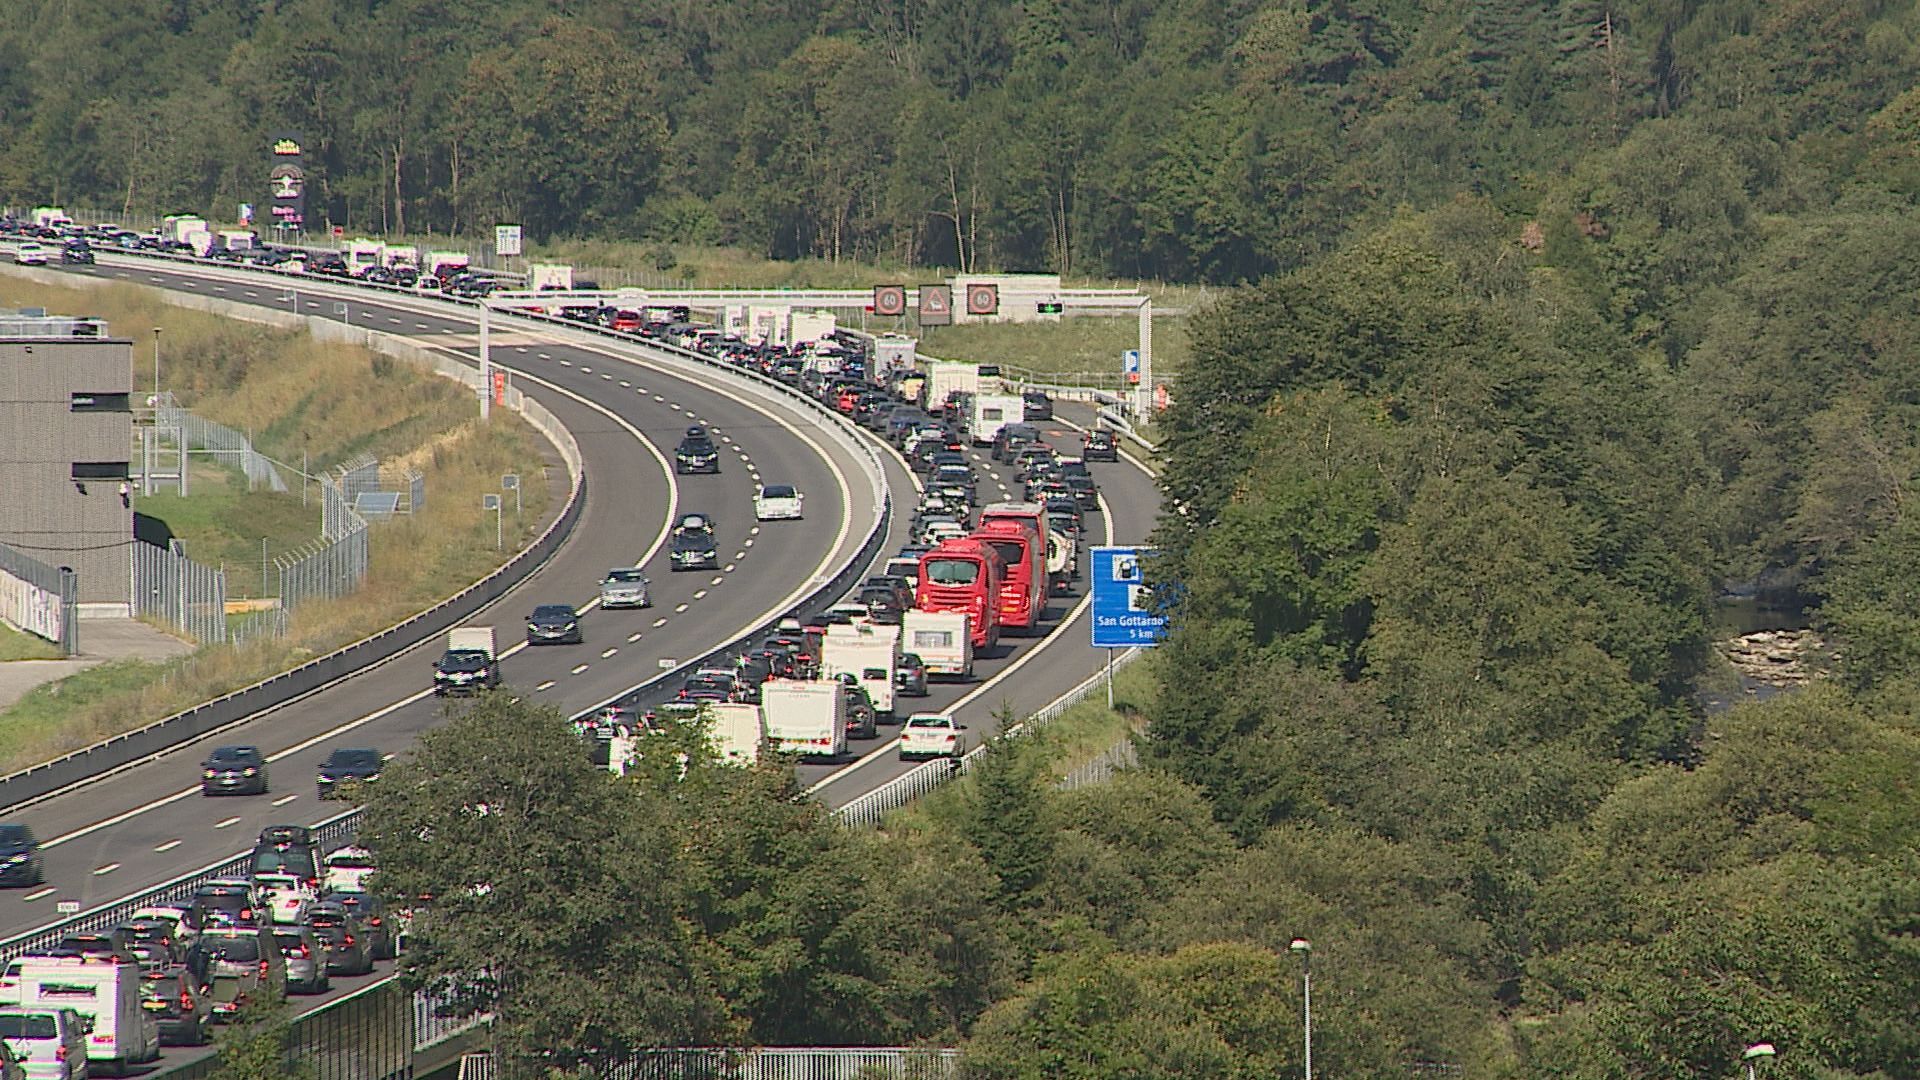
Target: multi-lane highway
column 626, row 406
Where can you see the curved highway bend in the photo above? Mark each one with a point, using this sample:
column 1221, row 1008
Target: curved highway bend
column 137, row 830
column 149, row 824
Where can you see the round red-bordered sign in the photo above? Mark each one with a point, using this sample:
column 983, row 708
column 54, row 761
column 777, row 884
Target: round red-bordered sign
column 983, row 299
column 890, row 300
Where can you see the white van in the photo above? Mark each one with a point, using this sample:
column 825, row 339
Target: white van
column 105, row 992
column 49, row 1043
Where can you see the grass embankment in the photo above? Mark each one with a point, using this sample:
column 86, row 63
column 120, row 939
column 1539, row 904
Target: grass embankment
column 295, row 395
column 19, row 645
column 1072, row 739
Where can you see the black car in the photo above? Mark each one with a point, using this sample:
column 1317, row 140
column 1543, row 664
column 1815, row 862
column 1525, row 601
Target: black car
column 693, row 546
column 1100, row 446
column 374, row 920
column 696, row 453
column 1035, row 405
column 552, row 624
column 287, row 849
column 349, row 764
column 234, row 770
column 886, row 599
column 348, row 947
column 77, row 255
column 20, row 862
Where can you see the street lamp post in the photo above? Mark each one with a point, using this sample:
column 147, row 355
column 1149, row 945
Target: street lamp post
column 1756, row 1054
column 1305, row 949
column 156, row 365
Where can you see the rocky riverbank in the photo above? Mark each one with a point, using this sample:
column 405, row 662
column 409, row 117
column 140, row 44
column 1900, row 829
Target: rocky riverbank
column 1779, row 659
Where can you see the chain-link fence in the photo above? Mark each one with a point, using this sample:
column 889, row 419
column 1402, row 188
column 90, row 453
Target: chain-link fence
column 337, row 563
column 200, row 435
column 1099, row 770
column 182, row 593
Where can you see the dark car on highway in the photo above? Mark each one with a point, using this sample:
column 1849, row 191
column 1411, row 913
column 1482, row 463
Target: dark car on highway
column 696, row 453
column 349, row 765
column 20, row 862
column 1100, row 446
column 349, row 951
column 553, row 624
column 1036, row 405
column 374, row 920
column 182, row 1009
column 910, row 676
column 234, row 770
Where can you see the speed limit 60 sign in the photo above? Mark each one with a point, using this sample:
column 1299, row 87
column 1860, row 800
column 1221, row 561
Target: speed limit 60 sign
column 983, row 299
column 890, row 300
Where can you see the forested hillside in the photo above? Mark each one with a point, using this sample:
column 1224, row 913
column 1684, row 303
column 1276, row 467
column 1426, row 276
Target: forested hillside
column 1556, row 317
column 1215, row 140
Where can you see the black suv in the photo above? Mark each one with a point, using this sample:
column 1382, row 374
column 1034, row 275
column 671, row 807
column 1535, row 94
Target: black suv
column 696, row 453
column 693, row 546
column 77, row 253
column 1036, row 405
column 287, row 849
column 349, row 764
column 1100, row 446
column 234, row 770
column 886, row 599
column 20, row 862
column 551, row 624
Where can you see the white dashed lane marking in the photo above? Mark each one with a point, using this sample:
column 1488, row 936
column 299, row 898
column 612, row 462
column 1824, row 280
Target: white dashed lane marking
column 168, row 846
column 678, row 610
column 544, row 686
column 48, row 891
column 224, row 824
column 566, row 363
column 745, row 543
column 546, row 356
column 608, row 653
column 728, row 568
column 578, row 668
column 701, row 594
column 633, row 637
column 107, row 869
column 624, row 384
column 755, row 531
column 659, row 622
column 656, row 397
column 737, row 556
column 284, row 800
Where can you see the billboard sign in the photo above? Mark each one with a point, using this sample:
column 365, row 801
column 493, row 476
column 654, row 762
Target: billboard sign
column 286, row 184
column 1125, row 613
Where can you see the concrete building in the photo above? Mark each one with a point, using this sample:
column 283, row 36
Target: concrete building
column 66, row 433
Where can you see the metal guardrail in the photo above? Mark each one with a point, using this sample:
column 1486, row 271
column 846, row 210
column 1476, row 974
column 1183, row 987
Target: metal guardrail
column 868, row 810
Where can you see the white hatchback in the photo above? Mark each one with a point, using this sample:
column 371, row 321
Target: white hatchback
column 30, row 254
column 286, row 896
column 777, row 502
column 348, row 869
column 930, row 735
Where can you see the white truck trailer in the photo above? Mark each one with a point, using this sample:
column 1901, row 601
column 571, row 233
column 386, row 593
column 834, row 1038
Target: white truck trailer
column 988, row 413
column 942, row 641
column 867, row 651
column 805, row 717
column 944, row 378
column 106, row 992
column 470, row 664
column 736, row 731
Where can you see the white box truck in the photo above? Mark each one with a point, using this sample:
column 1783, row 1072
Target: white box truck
column 941, row 640
column 51, row 217
column 236, row 239
column 736, row 731
column 944, row 378
column 470, row 663
column 398, row 255
column 891, row 353
column 176, row 227
column 868, row 652
column 988, row 413
column 103, row 991
column 363, row 255
column 200, row 240
column 445, row 264
column 805, row 717
column 550, row 276
column 804, row 327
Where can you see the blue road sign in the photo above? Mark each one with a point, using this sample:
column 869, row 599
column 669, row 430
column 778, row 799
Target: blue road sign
column 1124, row 611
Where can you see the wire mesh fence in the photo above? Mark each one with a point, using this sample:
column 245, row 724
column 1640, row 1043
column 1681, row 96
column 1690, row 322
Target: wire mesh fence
column 184, row 594
column 200, row 435
column 337, row 563
column 1099, row 770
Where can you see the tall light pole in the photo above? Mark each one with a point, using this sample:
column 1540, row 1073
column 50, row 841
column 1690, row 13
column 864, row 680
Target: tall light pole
column 1755, row 1056
column 156, row 365
column 1305, row 949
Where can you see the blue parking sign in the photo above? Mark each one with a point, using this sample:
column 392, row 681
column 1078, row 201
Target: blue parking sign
column 1125, row 614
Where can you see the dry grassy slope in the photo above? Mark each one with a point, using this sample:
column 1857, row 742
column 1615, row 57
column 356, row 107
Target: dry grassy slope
column 294, row 395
